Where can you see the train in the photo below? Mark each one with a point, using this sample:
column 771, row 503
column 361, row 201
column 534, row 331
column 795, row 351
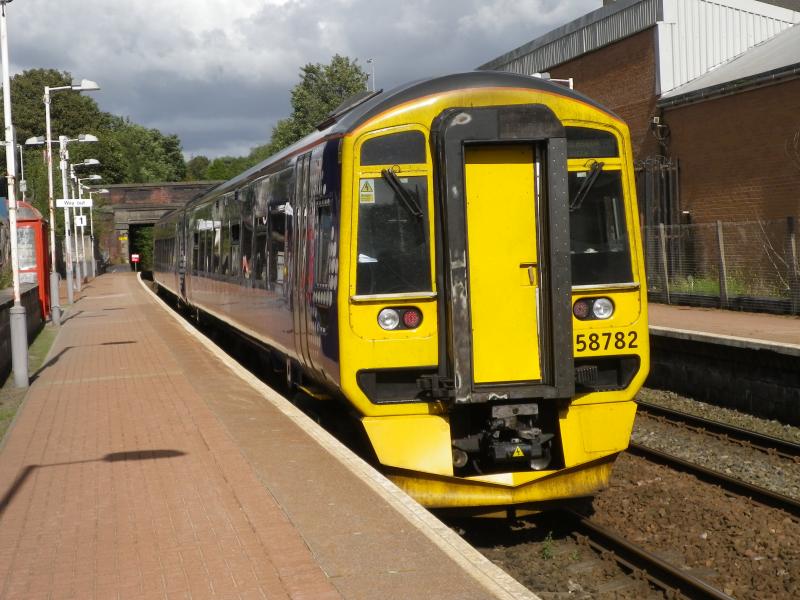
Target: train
column 456, row 262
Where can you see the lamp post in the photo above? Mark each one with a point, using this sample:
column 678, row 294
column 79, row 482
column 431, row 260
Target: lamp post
column 22, row 184
column 84, row 86
column 18, row 322
column 64, row 163
column 91, row 227
column 93, row 177
column 371, row 62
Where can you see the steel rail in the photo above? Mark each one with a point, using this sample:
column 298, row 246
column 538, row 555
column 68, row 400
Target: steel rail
column 741, row 488
column 768, row 443
column 639, row 561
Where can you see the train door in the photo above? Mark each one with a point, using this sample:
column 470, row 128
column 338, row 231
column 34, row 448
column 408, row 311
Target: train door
column 300, row 244
column 503, row 254
column 504, row 279
column 182, row 232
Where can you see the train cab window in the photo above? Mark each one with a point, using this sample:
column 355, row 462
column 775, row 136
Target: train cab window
column 393, row 245
column 406, row 147
column 583, row 142
column 599, row 245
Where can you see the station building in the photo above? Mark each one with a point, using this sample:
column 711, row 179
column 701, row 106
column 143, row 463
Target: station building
column 710, row 90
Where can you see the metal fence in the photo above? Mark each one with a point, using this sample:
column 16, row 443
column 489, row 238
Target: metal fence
column 750, row 265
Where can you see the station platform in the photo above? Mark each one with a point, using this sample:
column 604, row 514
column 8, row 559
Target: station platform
column 747, row 330
column 145, row 463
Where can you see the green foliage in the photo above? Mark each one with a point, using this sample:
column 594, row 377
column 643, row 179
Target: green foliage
column 196, row 168
column 547, row 551
column 128, row 153
column 5, row 277
column 321, row 89
column 227, row 167
column 142, row 244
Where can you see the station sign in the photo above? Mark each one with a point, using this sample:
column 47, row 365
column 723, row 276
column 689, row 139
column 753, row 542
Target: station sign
column 134, row 258
column 74, row 202
column 80, row 220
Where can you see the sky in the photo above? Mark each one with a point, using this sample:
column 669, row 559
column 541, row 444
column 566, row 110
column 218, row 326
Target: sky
column 219, row 73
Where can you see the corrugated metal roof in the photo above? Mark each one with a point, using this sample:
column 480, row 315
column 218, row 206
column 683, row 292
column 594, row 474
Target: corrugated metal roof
column 781, row 54
column 592, row 31
column 693, row 36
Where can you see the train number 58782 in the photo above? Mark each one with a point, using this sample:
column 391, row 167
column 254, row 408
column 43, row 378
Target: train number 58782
column 608, row 340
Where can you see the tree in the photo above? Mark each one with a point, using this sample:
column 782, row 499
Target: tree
column 128, row 153
column 196, row 168
column 321, row 89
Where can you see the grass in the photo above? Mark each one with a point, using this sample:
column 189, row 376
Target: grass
column 11, row 397
column 737, row 286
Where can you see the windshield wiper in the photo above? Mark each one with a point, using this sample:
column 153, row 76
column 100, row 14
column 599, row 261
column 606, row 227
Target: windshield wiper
column 595, row 170
column 408, row 199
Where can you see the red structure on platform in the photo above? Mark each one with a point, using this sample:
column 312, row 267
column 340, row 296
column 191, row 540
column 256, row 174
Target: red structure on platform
column 34, row 251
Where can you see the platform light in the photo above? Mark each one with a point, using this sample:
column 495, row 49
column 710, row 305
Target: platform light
column 85, row 85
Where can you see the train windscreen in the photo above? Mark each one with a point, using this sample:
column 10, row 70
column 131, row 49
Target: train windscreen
column 393, row 251
column 599, row 248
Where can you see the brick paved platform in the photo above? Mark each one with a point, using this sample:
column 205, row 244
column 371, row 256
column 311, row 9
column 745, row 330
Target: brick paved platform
column 753, row 329
column 141, row 466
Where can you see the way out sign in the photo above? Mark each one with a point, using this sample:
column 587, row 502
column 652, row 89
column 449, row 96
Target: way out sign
column 74, row 202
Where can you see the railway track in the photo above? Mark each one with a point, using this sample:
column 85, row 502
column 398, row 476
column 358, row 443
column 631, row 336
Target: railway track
column 765, row 443
column 731, row 484
column 673, row 580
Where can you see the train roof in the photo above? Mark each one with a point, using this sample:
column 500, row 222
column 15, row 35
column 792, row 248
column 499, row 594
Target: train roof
column 380, row 102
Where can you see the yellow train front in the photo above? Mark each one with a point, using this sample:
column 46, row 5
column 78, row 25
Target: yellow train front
column 495, row 331
column 459, row 261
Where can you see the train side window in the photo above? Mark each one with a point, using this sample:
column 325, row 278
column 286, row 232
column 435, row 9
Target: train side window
column 277, row 246
column 406, row 147
column 195, row 251
column 236, row 257
column 599, row 244
column 225, row 243
column 324, row 242
column 393, row 245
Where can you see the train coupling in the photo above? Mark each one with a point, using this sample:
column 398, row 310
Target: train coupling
column 510, row 440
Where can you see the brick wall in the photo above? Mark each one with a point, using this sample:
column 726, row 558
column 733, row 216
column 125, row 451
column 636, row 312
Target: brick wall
column 733, row 154
column 622, row 76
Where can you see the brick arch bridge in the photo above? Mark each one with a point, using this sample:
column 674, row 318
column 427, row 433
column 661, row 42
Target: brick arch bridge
column 128, row 205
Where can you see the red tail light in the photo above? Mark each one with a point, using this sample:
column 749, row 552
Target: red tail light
column 412, row 318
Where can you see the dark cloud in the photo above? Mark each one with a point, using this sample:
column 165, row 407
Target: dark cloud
column 219, row 74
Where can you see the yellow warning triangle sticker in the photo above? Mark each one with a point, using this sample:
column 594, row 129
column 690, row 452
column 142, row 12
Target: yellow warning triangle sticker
column 518, row 452
column 366, row 187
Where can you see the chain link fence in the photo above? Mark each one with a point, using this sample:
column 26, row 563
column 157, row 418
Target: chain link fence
column 749, row 265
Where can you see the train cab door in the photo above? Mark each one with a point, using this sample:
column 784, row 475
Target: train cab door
column 503, row 247
column 504, row 280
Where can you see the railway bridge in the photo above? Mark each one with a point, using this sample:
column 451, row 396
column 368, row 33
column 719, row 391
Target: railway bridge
column 131, row 206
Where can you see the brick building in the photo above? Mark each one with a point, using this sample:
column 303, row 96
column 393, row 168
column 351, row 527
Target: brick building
column 710, row 90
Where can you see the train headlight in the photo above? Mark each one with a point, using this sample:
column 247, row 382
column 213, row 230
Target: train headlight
column 388, row 319
column 602, row 308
